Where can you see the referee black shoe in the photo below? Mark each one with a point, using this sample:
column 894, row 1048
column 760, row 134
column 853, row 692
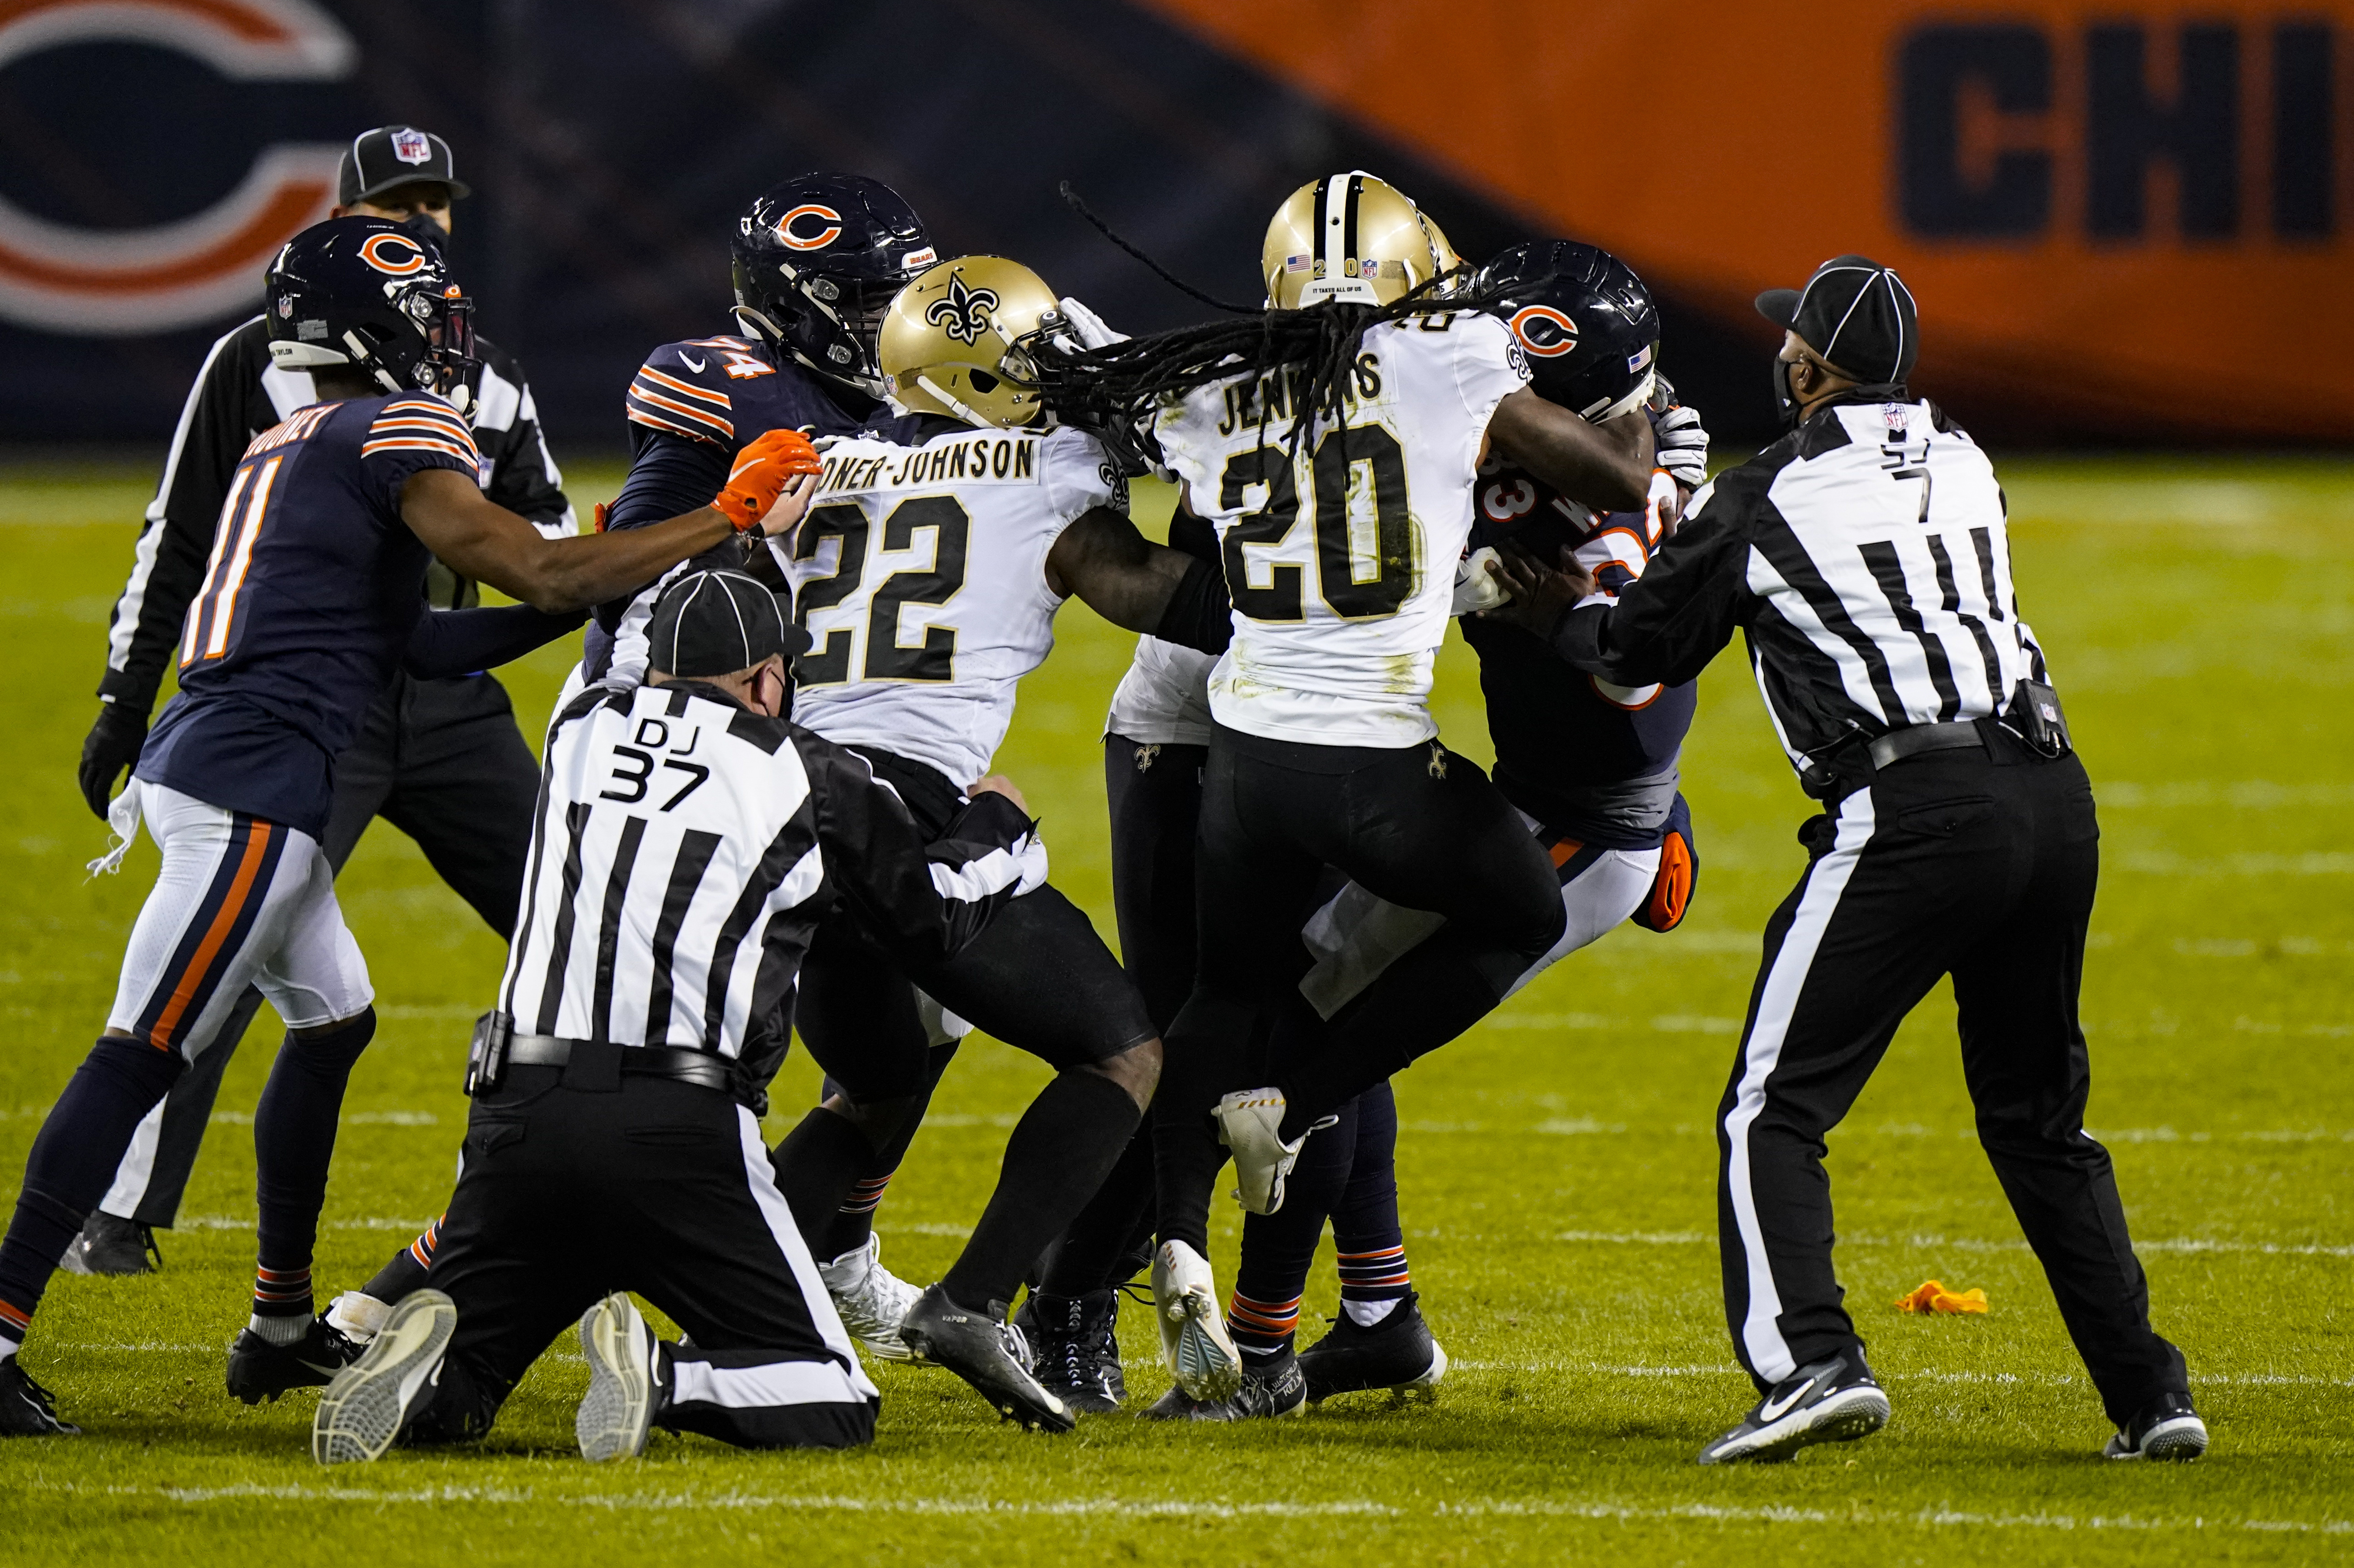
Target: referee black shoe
column 1396, row 1354
column 260, row 1368
column 2165, row 1428
column 1833, row 1401
column 109, row 1244
column 1075, row 1349
column 26, row 1408
column 987, row 1352
column 1266, row 1393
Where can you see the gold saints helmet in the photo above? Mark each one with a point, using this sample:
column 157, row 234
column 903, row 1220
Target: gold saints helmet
column 958, row 338
column 1349, row 237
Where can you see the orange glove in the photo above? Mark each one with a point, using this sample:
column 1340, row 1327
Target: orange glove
column 761, row 472
column 1933, row 1297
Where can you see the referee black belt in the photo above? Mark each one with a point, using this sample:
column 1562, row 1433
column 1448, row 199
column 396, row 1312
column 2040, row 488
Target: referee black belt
column 686, row 1066
column 1893, row 747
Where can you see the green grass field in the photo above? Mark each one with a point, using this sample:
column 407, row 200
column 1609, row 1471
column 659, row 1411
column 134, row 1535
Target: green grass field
column 1558, row 1168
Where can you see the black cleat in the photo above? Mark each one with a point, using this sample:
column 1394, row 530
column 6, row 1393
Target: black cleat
column 986, row 1353
column 1396, row 1354
column 26, row 1408
column 109, row 1244
column 2166, row 1428
column 1267, row 1392
column 259, row 1370
column 1833, row 1401
column 1076, row 1353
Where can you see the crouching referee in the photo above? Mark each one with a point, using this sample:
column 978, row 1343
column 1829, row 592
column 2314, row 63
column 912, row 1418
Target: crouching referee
column 689, row 840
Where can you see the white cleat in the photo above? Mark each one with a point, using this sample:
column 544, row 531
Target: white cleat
column 367, row 1402
column 1250, row 1121
column 618, row 1411
column 873, row 1301
column 1193, row 1340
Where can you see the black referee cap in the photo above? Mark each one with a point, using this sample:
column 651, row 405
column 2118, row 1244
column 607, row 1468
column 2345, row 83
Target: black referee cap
column 715, row 623
column 391, row 156
column 1855, row 313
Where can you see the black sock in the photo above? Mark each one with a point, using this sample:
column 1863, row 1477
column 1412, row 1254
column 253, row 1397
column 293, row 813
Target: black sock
column 1279, row 1248
column 408, row 1269
column 1422, row 1001
column 1060, row 1151
column 1095, row 1250
column 1207, row 1053
column 1367, row 1233
column 72, row 1165
column 816, row 1164
column 854, row 1220
column 293, row 1144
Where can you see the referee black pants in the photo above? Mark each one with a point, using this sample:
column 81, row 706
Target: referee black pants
column 444, row 762
column 1980, row 864
column 663, row 1188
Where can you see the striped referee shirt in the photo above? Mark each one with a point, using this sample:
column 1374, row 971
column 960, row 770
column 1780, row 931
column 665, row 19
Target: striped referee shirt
column 1863, row 554
column 687, row 847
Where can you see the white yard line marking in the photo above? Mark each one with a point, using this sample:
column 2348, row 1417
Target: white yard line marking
column 1969, row 1243
column 1506, row 1507
column 2048, row 1380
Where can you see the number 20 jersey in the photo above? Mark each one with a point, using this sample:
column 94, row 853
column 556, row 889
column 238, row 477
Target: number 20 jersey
column 1341, row 559
column 920, row 575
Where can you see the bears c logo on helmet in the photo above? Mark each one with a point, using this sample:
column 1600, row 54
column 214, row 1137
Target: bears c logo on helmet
column 393, row 253
column 819, row 226
column 962, row 312
column 1544, row 332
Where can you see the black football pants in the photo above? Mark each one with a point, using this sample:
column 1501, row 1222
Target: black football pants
column 1981, row 865
column 443, row 762
column 1415, row 825
column 657, row 1187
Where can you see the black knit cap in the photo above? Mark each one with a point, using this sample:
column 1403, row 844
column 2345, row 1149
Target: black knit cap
column 717, row 623
column 1856, row 313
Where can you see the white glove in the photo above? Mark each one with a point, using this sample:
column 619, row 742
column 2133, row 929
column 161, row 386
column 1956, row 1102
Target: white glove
column 1682, row 447
column 1088, row 327
column 1474, row 587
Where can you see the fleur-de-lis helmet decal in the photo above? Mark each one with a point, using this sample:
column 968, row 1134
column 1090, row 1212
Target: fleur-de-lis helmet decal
column 963, row 312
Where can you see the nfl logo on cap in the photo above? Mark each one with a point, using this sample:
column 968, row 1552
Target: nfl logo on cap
column 411, row 146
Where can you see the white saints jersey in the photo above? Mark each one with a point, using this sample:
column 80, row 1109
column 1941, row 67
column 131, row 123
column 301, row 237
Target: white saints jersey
column 1341, row 561
column 1165, row 698
column 920, row 575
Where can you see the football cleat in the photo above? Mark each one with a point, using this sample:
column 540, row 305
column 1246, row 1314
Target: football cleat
column 1833, row 1401
column 370, row 1400
column 1075, row 1349
column 1250, row 1121
column 26, row 1410
column 1195, row 1343
column 111, row 1245
column 2165, row 1428
column 871, row 1298
column 625, row 1381
column 1396, row 1354
column 261, row 1369
column 987, row 1352
column 1264, row 1392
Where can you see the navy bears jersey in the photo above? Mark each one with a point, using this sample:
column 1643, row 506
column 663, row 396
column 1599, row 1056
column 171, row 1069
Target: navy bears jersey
column 692, row 407
column 309, row 599
column 1568, row 745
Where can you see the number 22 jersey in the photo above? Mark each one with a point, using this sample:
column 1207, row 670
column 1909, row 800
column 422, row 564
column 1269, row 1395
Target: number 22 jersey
column 1341, row 559
column 920, row 575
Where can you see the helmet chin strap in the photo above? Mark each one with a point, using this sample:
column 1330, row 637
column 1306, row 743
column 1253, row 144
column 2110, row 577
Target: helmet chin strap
column 945, row 396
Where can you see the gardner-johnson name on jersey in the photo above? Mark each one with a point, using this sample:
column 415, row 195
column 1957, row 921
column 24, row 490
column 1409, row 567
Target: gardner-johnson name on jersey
column 979, row 459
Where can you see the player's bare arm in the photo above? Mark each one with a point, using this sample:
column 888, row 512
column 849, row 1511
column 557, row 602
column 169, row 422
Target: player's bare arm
column 1606, row 465
column 767, row 494
column 1118, row 572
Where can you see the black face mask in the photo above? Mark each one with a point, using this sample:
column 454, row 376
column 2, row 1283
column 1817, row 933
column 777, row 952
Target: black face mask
column 422, row 228
column 1785, row 402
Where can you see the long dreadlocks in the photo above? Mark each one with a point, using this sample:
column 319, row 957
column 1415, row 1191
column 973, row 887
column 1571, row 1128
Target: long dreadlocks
column 1116, row 389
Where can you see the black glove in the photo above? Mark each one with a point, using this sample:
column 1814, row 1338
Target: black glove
column 112, row 750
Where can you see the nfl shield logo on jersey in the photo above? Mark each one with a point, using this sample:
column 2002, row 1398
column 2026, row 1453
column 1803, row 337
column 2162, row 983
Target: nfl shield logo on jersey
column 411, row 146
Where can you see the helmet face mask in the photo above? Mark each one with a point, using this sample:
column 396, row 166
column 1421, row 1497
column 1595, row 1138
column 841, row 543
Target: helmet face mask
column 1586, row 321
column 367, row 293
column 816, row 261
column 963, row 339
column 1349, row 237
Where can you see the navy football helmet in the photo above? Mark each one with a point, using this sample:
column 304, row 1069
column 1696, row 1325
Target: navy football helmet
column 818, row 260
column 365, row 292
column 1586, row 323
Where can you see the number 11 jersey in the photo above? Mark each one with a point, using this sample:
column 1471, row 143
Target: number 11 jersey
column 1341, row 559
column 920, row 575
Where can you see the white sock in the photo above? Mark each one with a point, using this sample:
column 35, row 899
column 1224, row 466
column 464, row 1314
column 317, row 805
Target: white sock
column 1365, row 1314
column 356, row 1316
column 279, row 1331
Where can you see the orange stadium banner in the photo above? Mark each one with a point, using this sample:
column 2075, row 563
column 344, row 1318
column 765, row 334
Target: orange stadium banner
column 2134, row 218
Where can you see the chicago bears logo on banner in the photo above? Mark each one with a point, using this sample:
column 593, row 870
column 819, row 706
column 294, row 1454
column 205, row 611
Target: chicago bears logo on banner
column 962, row 312
column 1544, row 332
column 63, row 278
column 809, row 228
column 393, row 253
